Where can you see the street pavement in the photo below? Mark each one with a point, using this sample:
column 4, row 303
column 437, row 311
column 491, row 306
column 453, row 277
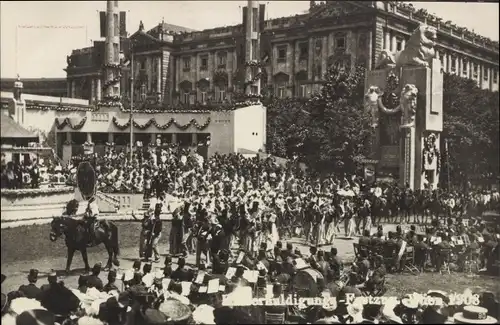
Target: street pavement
column 17, row 271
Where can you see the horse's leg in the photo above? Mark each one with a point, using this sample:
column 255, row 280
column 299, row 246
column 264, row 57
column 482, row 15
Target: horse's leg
column 85, row 259
column 71, row 252
column 110, row 255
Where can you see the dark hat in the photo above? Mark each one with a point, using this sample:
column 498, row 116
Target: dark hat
column 33, row 275
column 36, row 316
column 155, row 317
column 52, row 277
column 97, row 268
column 137, row 264
column 147, row 268
column 112, row 274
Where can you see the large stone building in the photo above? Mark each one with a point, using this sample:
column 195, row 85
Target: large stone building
column 176, row 66
column 55, row 87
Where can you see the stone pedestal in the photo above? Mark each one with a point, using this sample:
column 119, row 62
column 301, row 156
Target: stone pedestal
column 423, row 137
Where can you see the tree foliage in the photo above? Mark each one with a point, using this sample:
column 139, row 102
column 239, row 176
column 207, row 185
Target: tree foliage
column 471, row 126
column 329, row 130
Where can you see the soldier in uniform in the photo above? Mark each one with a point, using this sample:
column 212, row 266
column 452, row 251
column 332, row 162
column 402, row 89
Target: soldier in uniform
column 30, row 290
column 145, row 223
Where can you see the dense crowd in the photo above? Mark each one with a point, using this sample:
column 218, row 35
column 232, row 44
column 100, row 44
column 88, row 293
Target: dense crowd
column 255, row 204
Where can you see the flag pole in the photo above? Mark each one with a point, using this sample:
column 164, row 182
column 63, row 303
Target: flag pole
column 132, row 106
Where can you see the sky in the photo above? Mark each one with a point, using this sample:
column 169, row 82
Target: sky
column 47, row 31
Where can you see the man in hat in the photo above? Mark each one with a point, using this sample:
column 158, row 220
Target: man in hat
column 111, row 286
column 30, row 290
column 93, row 280
column 145, row 224
column 154, row 231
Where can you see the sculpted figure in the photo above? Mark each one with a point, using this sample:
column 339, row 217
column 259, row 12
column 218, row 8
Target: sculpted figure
column 371, row 103
column 408, row 105
column 419, row 50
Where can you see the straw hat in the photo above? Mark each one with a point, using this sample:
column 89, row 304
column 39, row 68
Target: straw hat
column 474, row 315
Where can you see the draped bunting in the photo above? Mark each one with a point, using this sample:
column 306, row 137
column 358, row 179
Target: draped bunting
column 67, row 122
column 165, row 126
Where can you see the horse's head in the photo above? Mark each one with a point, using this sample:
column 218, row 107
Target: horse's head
column 57, row 228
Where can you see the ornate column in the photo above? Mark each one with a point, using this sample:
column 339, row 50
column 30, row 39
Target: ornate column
column 92, row 91
column 393, row 42
column 387, row 40
column 459, row 66
column 98, row 89
column 68, row 137
column 448, row 63
column 194, row 138
column 403, row 44
column 68, row 88
column 158, row 75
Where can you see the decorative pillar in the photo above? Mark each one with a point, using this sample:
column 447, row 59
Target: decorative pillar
column 92, row 91
column 370, row 51
column 174, row 137
column 393, row 43
column 448, row 63
column 403, row 44
column 98, row 89
column 194, row 138
column 68, row 137
column 89, row 137
column 459, row 66
column 149, row 71
column 68, row 88
column 158, row 75
column 469, row 69
column 387, row 40
column 111, row 137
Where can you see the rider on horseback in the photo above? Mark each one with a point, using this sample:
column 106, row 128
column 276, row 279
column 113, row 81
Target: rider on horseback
column 89, row 218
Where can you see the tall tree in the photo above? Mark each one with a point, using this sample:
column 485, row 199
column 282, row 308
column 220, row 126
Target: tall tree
column 339, row 126
column 471, row 126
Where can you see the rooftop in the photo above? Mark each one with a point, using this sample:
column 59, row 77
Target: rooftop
column 10, row 129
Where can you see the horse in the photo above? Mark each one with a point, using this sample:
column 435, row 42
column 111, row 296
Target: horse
column 76, row 238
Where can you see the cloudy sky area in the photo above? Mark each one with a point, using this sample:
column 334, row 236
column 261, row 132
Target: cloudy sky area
column 67, row 25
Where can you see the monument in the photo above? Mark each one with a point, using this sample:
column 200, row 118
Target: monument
column 404, row 95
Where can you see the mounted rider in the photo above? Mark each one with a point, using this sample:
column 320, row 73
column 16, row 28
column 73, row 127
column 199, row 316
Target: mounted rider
column 90, row 218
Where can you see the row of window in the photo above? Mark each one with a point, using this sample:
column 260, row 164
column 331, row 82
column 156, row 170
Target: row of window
column 189, row 98
column 221, row 61
column 465, row 66
column 339, row 43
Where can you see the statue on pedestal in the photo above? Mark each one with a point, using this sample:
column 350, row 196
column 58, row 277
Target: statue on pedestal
column 419, row 51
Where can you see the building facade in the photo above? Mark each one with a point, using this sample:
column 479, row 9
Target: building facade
column 176, row 66
column 55, row 87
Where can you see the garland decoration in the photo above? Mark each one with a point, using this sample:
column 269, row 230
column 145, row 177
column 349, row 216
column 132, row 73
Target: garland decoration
column 112, row 65
column 165, row 126
column 19, row 193
column 430, row 152
column 254, row 63
column 113, row 81
column 67, row 122
column 59, row 107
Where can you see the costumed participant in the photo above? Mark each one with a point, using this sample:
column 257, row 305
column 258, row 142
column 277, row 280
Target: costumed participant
column 144, row 229
column 90, row 218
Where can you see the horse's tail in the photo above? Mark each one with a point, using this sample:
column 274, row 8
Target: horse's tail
column 114, row 239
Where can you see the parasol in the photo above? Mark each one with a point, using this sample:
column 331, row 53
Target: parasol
column 175, row 310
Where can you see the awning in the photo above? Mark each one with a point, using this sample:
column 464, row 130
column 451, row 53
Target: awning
column 11, row 129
